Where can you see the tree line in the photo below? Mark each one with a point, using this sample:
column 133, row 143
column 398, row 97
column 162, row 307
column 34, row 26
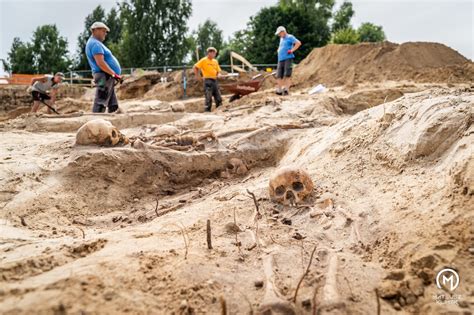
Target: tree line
column 146, row 33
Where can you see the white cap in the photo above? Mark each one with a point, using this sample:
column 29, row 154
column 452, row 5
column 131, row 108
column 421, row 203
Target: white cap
column 99, row 25
column 280, row 29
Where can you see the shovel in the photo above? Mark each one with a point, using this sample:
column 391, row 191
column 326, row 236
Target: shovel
column 50, row 107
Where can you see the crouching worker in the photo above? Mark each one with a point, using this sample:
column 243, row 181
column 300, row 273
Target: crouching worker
column 210, row 72
column 44, row 90
column 105, row 68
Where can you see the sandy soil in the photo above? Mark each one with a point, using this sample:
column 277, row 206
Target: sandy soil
column 96, row 230
column 116, row 230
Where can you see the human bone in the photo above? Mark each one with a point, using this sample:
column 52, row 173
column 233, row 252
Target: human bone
column 100, row 132
column 166, row 130
column 272, row 302
column 178, row 107
column 234, row 166
column 290, row 185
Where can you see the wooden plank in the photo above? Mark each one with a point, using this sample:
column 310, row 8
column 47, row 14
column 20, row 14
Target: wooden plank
column 241, row 59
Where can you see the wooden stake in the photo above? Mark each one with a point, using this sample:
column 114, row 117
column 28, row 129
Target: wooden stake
column 208, row 232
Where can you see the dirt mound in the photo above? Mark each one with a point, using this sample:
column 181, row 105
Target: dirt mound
column 138, row 84
column 335, row 65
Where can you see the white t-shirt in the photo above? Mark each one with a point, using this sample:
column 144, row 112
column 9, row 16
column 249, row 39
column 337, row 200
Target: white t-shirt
column 44, row 87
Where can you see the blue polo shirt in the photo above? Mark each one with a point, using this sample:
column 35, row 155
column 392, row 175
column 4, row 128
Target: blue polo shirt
column 96, row 47
column 286, row 43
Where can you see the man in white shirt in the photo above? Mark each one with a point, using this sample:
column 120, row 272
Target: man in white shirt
column 44, row 89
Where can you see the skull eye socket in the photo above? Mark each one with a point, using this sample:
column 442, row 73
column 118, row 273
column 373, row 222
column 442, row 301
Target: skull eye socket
column 230, row 166
column 280, row 190
column 114, row 134
column 297, row 186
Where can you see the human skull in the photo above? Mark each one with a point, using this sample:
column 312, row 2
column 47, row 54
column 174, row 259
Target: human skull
column 290, row 185
column 234, row 166
column 166, row 130
column 101, row 132
column 178, row 107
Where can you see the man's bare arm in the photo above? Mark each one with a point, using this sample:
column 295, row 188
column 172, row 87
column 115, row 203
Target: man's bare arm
column 53, row 95
column 297, row 45
column 103, row 65
column 196, row 73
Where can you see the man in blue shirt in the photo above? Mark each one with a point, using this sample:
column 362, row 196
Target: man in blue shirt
column 288, row 45
column 105, row 69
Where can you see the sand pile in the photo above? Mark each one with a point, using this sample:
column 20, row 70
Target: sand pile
column 334, row 65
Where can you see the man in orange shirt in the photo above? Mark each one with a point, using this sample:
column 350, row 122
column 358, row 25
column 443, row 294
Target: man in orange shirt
column 210, row 72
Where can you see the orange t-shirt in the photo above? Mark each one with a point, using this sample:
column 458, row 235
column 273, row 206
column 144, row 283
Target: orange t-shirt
column 208, row 67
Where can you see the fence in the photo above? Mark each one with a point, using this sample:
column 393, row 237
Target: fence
column 79, row 77
column 21, row 79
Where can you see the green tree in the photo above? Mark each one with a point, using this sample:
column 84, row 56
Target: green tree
column 47, row 53
column 345, row 36
column 310, row 26
column 369, row 32
column 342, row 17
column 81, row 60
column 50, row 50
column 308, row 5
column 207, row 34
column 20, row 58
column 154, row 32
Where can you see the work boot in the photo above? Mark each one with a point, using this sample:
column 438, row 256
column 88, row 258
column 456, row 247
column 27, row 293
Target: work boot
column 285, row 92
column 278, row 91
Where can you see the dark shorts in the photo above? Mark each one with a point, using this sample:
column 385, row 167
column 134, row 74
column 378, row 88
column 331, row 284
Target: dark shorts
column 284, row 68
column 38, row 96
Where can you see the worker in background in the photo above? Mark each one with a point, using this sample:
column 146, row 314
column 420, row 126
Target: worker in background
column 288, row 45
column 105, row 69
column 44, row 89
column 210, row 69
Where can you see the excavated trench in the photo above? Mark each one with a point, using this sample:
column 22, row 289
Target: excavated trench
column 100, row 184
column 366, row 217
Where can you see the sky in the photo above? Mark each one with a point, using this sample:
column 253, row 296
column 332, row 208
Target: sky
column 446, row 21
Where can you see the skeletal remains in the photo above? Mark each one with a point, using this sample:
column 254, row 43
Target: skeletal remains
column 183, row 142
column 272, row 302
column 234, row 166
column 100, row 132
column 290, row 185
